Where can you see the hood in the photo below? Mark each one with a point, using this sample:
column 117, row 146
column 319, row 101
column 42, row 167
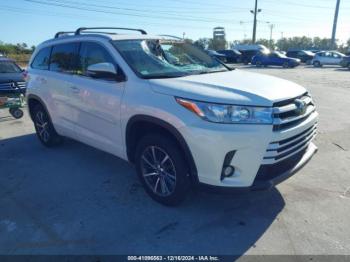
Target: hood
column 233, row 87
column 11, row 77
column 294, row 59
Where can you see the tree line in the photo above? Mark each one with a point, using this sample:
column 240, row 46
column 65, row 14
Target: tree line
column 284, row 44
column 22, row 51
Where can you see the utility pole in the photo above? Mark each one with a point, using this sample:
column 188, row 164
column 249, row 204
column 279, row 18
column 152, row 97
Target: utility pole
column 335, row 23
column 255, row 12
column 271, row 29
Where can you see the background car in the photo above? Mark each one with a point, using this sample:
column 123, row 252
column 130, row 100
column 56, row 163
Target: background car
column 11, row 75
column 217, row 55
column 345, row 62
column 249, row 51
column 232, row 55
column 303, row 55
column 327, row 58
column 274, row 59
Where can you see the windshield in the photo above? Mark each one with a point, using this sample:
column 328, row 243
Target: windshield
column 9, row 67
column 166, row 59
column 340, row 54
column 281, row 55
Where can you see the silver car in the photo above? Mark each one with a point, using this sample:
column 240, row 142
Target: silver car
column 327, row 58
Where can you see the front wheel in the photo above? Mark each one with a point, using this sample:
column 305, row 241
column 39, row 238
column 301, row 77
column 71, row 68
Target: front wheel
column 16, row 113
column 44, row 127
column 317, row 64
column 285, row 65
column 162, row 169
column 258, row 64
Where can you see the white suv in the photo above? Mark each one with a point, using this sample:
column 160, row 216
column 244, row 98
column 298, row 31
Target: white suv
column 181, row 117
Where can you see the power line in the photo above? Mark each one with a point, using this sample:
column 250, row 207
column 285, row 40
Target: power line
column 74, row 16
column 206, row 20
column 302, row 5
column 145, row 10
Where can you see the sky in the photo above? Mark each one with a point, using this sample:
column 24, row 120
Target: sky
column 34, row 21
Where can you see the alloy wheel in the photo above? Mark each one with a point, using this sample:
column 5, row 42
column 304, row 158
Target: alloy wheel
column 158, row 171
column 42, row 125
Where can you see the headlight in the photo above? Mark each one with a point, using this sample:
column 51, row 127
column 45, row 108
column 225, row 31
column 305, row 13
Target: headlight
column 228, row 114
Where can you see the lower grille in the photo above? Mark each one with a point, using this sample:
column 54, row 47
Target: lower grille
column 268, row 172
column 279, row 150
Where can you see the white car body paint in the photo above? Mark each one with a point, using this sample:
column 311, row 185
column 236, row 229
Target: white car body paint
column 97, row 112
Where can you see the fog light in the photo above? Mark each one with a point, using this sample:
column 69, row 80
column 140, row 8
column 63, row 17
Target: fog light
column 228, row 171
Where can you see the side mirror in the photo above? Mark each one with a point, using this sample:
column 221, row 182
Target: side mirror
column 105, row 71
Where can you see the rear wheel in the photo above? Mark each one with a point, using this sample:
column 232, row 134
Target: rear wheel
column 258, row 64
column 162, row 169
column 44, row 128
column 285, row 65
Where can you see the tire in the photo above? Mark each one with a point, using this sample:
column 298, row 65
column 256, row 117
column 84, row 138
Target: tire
column 258, row 64
column 317, row 64
column 16, row 113
column 308, row 62
column 44, row 127
column 162, row 169
column 285, row 65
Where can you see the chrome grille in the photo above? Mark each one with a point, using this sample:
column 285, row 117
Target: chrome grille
column 283, row 149
column 291, row 112
column 11, row 86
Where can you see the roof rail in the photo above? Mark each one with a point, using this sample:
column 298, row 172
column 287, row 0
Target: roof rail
column 58, row 34
column 81, row 29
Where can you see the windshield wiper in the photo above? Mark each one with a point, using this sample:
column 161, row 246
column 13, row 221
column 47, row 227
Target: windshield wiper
column 210, row 71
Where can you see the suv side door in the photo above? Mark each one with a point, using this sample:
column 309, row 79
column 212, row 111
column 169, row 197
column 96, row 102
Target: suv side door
column 97, row 100
column 62, row 66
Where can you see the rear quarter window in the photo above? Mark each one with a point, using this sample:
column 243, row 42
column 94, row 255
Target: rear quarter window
column 41, row 60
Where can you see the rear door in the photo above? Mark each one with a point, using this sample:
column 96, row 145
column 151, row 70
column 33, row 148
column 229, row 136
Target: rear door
column 62, row 67
column 97, row 101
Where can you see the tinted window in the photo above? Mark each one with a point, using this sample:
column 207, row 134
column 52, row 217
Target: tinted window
column 90, row 54
column 64, row 58
column 41, row 60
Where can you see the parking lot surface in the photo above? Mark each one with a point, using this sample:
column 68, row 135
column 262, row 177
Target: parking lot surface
column 75, row 199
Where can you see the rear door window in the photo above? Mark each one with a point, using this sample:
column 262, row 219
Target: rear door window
column 41, row 60
column 64, row 58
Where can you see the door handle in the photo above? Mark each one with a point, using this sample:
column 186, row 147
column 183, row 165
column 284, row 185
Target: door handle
column 75, row 89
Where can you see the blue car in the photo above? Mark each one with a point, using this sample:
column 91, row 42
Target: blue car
column 274, row 59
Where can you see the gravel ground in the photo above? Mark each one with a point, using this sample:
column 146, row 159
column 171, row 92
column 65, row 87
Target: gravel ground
column 77, row 200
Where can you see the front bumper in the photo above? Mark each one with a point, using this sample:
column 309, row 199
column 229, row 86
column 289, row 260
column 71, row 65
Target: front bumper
column 268, row 177
column 258, row 162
